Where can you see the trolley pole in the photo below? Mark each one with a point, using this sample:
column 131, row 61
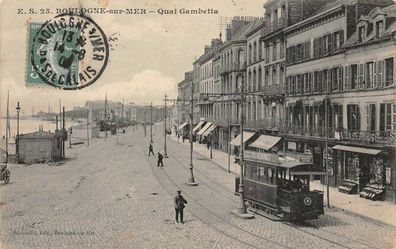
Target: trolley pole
column 165, row 153
column 191, row 180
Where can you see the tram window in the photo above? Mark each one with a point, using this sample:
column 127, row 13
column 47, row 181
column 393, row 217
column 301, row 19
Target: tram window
column 248, row 171
column 270, row 175
column 261, row 174
column 254, row 172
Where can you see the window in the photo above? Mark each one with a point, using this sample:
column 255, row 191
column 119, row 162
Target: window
column 299, row 84
column 250, row 53
column 337, row 40
column 354, row 76
column 353, row 117
column 362, row 83
column 371, row 117
column 386, row 123
column 337, row 118
column 316, row 81
column 335, row 79
column 380, row 28
column 369, row 74
column 274, row 51
column 274, row 76
column 362, row 33
column 389, row 72
column 316, row 48
column 260, row 52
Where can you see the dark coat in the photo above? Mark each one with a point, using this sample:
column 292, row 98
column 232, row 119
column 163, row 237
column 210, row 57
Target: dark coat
column 179, row 202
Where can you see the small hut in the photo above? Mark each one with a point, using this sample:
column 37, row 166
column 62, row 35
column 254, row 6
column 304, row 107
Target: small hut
column 40, row 146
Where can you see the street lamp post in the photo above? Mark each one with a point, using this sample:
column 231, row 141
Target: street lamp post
column 241, row 211
column 18, row 109
column 191, row 180
column 165, row 152
column 151, row 123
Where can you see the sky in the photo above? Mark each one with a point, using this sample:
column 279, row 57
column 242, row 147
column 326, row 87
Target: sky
column 147, row 60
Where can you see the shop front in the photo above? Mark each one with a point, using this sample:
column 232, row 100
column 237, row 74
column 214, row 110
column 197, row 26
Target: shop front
column 360, row 171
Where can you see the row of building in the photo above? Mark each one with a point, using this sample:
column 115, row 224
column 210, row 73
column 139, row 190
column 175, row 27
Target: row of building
column 299, row 61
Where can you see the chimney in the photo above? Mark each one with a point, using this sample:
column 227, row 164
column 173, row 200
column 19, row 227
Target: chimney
column 207, row 48
column 228, row 33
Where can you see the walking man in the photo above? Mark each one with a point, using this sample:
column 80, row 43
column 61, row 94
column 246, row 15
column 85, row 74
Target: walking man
column 160, row 160
column 179, row 206
column 151, row 149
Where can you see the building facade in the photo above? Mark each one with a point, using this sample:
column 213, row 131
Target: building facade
column 331, row 86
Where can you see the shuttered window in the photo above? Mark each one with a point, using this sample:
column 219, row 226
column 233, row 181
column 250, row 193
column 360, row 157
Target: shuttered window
column 371, row 117
column 347, row 78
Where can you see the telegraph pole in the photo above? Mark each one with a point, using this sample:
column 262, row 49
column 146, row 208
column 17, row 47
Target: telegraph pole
column 87, row 127
column 151, row 122
column 18, row 109
column 165, row 153
column 105, row 118
column 327, row 154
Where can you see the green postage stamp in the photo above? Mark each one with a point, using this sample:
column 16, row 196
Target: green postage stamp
column 68, row 52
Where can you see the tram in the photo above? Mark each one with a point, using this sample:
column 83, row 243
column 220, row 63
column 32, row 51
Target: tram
column 282, row 188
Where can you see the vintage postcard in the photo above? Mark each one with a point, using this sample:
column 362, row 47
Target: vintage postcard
column 197, row 124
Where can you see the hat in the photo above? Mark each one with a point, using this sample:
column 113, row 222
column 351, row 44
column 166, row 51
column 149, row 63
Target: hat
column 179, row 191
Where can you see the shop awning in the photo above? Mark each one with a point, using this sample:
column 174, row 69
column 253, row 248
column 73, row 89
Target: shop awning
column 207, row 125
column 209, row 130
column 265, row 142
column 198, row 126
column 182, row 126
column 246, row 136
column 357, row 149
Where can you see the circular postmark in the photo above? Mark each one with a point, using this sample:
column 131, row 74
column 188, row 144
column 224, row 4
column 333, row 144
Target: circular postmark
column 307, row 201
column 69, row 51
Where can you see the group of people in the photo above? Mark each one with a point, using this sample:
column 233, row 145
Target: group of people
column 160, row 156
column 179, row 199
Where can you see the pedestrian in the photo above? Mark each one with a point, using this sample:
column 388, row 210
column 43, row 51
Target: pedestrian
column 179, row 206
column 151, row 149
column 160, row 160
column 184, row 137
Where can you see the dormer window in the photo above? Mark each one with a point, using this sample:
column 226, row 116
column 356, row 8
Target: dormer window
column 362, row 33
column 380, row 28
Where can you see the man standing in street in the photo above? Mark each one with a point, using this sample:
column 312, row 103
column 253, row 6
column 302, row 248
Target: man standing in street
column 160, row 160
column 151, row 149
column 179, row 206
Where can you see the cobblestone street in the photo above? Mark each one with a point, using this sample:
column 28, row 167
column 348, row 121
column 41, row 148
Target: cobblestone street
column 111, row 195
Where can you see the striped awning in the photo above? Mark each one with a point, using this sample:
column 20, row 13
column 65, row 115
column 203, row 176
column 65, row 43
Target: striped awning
column 182, row 126
column 207, row 125
column 265, row 142
column 246, row 136
column 209, row 130
column 198, row 126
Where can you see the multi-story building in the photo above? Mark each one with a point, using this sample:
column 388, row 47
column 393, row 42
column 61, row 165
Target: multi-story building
column 368, row 104
column 183, row 101
column 232, row 72
column 207, row 85
column 330, row 69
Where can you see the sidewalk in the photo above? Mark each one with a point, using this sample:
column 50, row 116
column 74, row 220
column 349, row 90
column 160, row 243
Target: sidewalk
column 382, row 211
